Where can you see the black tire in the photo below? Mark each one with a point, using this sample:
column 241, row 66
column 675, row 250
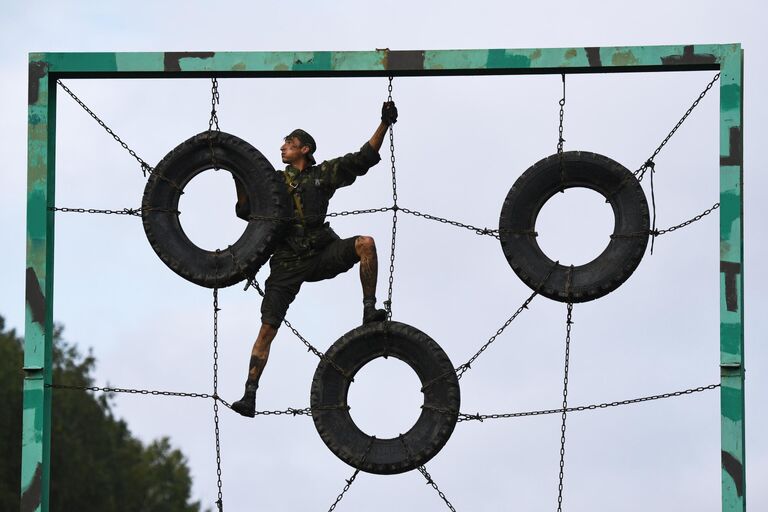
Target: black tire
column 266, row 193
column 619, row 259
column 439, row 413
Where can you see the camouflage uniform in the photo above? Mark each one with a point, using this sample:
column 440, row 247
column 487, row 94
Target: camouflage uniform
column 311, row 250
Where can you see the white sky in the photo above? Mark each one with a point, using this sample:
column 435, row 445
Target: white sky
column 461, row 143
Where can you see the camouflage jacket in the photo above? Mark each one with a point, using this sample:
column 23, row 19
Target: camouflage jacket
column 311, row 190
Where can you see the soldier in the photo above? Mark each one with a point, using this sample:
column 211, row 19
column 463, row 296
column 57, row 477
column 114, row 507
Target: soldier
column 310, row 250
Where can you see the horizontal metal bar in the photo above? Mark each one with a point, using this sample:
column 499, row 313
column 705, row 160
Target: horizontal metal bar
column 385, row 62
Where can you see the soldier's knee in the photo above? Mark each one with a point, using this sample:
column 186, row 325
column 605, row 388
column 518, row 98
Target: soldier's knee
column 365, row 245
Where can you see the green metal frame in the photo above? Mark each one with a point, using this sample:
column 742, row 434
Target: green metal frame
column 45, row 68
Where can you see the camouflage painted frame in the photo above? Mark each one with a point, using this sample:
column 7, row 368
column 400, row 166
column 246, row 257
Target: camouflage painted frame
column 45, row 68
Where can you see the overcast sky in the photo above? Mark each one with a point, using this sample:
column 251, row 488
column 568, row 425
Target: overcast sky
column 461, row 142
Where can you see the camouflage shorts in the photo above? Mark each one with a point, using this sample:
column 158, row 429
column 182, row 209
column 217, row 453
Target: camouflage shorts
column 288, row 274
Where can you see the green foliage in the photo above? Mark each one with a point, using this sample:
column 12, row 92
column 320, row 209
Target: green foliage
column 10, row 419
column 96, row 464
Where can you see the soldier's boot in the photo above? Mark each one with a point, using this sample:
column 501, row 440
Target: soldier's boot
column 371, row 314
column 247, row 405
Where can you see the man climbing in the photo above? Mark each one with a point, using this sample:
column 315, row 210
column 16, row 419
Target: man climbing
column 310, row 250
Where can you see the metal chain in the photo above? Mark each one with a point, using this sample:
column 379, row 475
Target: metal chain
column 213, row 121
column 322, row 215
column 352, row 478
column 349, row 483
column 466, row 366
column 431, row 482
column 689, row 221
column 639, row 173
column 356, row 212
column 605, row 405
column 670, row 229
column 388, row 302
column 564, row 414
column 307, row 411
column 219, row 501
column 346, row 213
column 560, row 139
column 153, row 392
column 145, row 167
column 480, row 231
column 423, row 470
column 136, row 212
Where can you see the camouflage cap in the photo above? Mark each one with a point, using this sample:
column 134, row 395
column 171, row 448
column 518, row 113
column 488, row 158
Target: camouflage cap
column 306, row 140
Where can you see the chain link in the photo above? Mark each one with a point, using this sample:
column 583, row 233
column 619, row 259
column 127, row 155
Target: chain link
column 344, row 490
column 290, row 411
column 560, row 139
column 639, row 173
column 219, row 501
column 605, row 405
column 479, row 231
column 423, row 470
column 689, row 221
column 136, row 212
column 145, row 167
column 107, row 389
column 346, row 213
column 564, row 413
column 431, row 482
column 213, row 121
column 352, row 478
column 307, row 411
column 322, row 215
column 670, row 229
column 466, row 366
column 388, row 302
column 460, row 370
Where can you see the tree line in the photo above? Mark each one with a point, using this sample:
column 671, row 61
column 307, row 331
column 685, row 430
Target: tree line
column 96, row 463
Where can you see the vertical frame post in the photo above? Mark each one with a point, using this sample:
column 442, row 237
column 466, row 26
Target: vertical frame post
column 732, row 282
column 38, row 332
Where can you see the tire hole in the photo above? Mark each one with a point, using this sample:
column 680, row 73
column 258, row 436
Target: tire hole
column 385, row 399
column 575, row 227
column 208, row 210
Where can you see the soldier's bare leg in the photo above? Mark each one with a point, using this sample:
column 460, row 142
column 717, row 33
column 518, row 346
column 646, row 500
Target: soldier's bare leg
column 259, row 356
column 369, row 272
column 369, row 265
column 260, row 351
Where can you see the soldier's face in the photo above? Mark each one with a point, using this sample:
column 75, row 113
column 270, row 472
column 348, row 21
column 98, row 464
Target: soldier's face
column 292, row 151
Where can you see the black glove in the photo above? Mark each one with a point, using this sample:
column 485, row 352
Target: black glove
column 388, row 113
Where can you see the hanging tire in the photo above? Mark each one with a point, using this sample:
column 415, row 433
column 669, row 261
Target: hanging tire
column 263, row 186
column 619, row 259
column 439, row 413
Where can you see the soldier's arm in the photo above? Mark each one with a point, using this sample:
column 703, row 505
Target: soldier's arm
column 243, row 206
column 388, row 117
column 377, row 139
column 344, row 170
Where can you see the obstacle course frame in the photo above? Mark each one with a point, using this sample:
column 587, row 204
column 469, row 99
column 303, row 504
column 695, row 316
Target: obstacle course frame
column 46, row 68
